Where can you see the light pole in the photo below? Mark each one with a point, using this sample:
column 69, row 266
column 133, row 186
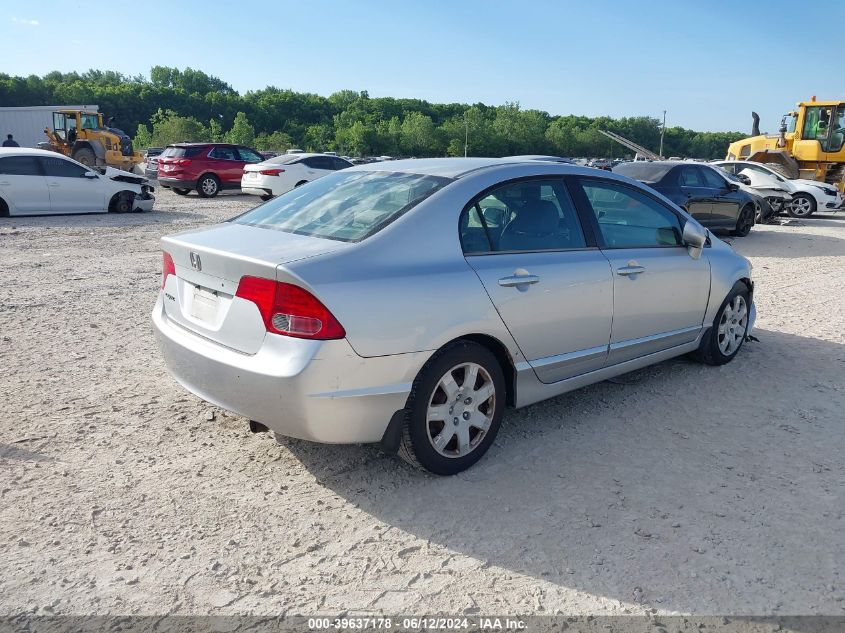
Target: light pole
column 662, row 132
column 466, row 133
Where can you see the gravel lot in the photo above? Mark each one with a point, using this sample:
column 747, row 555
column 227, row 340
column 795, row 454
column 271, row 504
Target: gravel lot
column 680, row 488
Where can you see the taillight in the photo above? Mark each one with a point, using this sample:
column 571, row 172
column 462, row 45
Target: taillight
column 182, row 161
column 290, row 310
column 271, row 172
column 167, row 267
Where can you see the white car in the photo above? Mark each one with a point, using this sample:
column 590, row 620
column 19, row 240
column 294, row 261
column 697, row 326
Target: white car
column 808, row 196
column 37, row 181
column 282, row 173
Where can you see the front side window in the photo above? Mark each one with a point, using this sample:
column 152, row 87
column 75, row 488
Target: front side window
column 836, row 136
column 345, row 206
column 19, row 166
column 628, row 218
column 249, row 156
column 815, row 126
column 90, row 121
column 61, row 168
column 713, row 180
column 690, row 176
column 533, row 215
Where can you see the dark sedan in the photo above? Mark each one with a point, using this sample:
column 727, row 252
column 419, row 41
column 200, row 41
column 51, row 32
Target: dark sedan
column 700, row 189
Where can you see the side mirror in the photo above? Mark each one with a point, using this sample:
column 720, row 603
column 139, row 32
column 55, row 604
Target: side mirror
column 732, row 186
column 89, row 174
column 695, row 237
column 745, row 179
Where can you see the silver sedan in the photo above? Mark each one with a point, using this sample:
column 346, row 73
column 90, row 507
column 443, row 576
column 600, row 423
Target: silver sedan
column 410, row 302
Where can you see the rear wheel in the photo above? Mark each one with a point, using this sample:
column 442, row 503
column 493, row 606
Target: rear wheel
column 300, row 183
column 181, row 192
column 266, row 197
column 803, row 205
column 454, row 410
column 744, row 222
column 86, row 157
column 4, row 209
column 722, row 341
column 208, row 186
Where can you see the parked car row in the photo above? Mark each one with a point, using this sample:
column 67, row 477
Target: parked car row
column 38, row 181
column 209, row 168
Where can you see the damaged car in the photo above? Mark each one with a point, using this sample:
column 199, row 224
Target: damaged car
column 37, row 182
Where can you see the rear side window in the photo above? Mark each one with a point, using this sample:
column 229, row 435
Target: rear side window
column 249, row 155
column 182, row 152
column 20, row 166
column 628, row 218
column 534, row 215
column 345, row 206
column 339, row 163
column 223, row 153
column 713, row 180
column 61, row 168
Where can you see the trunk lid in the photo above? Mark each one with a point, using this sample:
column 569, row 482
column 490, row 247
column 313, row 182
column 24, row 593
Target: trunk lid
column 209, row 264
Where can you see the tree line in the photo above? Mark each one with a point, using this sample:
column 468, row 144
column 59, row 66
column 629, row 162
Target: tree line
column 189, row 105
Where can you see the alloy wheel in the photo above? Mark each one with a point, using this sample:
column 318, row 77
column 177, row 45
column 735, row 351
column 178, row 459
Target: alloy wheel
column 209, row 186
column 733, row 325
column 460, row 410
column 802, row 206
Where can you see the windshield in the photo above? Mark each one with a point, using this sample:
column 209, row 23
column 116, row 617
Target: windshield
column 643, row 171
column 345, row 206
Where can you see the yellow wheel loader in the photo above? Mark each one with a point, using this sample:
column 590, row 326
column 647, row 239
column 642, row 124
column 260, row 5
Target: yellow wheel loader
column 810, row 143
column 81, row 135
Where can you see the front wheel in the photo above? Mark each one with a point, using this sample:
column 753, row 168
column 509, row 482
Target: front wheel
column 86, row 157
column 454, row 410
column 744, row 222
column 208, row 186
column 803, row 205
column 723, row 340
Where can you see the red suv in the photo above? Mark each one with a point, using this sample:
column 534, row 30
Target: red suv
column 206, row 167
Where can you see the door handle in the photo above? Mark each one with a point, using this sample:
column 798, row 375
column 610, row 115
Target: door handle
column 54, row 184
column 630, row 270
column 518, row 280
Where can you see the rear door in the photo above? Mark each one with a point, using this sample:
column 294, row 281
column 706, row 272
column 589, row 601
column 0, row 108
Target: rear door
column 698, row 195
column 726, row 201
column 549, row 282
column 23, row 185
column 70, row 190
column 226, row 163
column 660, row 293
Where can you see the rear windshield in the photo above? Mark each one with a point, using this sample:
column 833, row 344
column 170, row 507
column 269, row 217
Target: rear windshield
column 643, row 171
column 345, row 206
column 284, row 159
column 181, row 152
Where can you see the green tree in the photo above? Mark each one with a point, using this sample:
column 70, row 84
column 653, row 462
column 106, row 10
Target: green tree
column 215, row 130
column 242, row 132
column 143, row 138
column 275, row 142
column 169, row 127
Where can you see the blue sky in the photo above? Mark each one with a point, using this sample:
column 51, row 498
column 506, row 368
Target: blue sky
column 700, row 60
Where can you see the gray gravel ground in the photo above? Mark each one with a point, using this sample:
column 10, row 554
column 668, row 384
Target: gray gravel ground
column 681, row 488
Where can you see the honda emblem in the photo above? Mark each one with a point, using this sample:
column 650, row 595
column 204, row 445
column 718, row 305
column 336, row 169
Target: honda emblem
column 196, row 262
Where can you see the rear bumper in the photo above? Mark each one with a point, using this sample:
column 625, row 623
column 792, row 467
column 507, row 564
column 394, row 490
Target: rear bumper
column 257, row 191
column 313, row 390
column 169, row 183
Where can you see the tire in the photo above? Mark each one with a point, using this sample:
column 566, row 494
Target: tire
column 86, row 157
column 181, row 192
column 447, row 447
column 208, row 186
column 266, row 198
column 744, row 222
column 803, row 205
column 300, row 183
column 4, row 209
column 121, row 203
column 714, row 348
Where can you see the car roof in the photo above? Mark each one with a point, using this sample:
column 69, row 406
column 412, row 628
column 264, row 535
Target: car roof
column 458, row 167
column 28, row 151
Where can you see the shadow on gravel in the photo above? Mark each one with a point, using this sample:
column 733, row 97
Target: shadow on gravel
column 95, row 220
column 11, row 452
column 785, row 243
column 684, row 487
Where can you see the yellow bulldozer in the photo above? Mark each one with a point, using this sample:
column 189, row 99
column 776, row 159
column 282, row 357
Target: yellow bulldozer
column 810, row 143
column 81, row 135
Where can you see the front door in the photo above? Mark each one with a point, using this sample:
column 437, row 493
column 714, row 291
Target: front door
column 726, row 200
column 23, row 185
column 552, row 289
column 660, row 292
column 70, row 190
column 698, row 196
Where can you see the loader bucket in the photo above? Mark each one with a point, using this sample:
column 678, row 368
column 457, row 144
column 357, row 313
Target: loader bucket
column 779, row 160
